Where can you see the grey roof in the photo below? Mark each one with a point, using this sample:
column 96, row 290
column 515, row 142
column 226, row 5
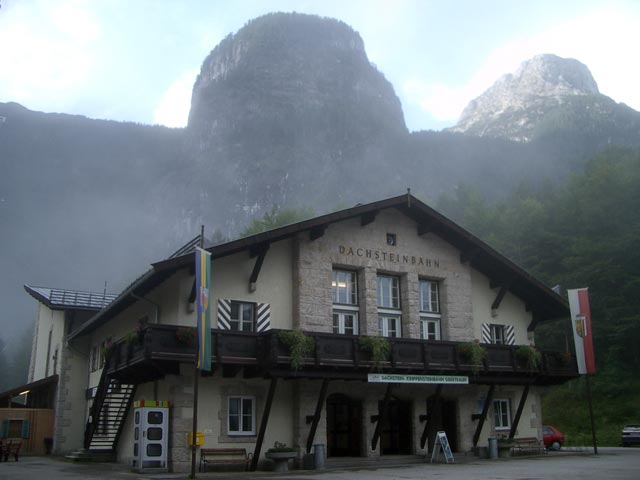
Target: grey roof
column 59, row 299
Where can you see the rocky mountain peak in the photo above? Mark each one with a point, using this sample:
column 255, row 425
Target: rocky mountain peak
column 512, row 106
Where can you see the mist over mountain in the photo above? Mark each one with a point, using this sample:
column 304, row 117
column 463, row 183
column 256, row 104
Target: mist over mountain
column 286, row 112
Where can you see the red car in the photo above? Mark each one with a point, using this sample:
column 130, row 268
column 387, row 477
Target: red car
column 552, row 437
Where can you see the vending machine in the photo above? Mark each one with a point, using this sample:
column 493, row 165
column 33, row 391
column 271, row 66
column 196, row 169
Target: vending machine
column 150, row 434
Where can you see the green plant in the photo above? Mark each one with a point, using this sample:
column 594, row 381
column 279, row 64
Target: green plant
column 378, row 347
column 132, row 338
column 108, row 349
column 299, row 345
column 279, row 447
column 186, row 336
column 529, row 356
column 472, row 353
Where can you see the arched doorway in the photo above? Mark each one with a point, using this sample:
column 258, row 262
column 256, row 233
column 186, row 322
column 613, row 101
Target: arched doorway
column 344, row 426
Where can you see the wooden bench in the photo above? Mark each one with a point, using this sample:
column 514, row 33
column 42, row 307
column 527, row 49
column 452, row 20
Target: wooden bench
column 225, row 457
column 527, row 446
column 10, row 447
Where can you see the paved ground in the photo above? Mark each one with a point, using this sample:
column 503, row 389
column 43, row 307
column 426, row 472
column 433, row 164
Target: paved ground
column 610, row 464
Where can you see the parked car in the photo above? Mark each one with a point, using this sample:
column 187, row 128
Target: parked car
column 631, row 435
column 552, row 437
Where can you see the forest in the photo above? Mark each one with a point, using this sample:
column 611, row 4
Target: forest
column 582, row 233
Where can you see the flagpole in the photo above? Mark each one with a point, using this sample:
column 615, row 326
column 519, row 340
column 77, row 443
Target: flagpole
column 593, row 428
column 194, row 429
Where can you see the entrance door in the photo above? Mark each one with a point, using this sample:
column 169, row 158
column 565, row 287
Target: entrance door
column 443, row 419
column 395, row 434
column 344, row 424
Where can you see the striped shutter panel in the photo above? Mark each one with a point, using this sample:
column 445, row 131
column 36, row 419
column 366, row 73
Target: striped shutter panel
column 509, row 335
column 224, row 314
column 263, row 317
column 486, row 333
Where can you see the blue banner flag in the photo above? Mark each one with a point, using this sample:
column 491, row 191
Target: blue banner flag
column 203, row 308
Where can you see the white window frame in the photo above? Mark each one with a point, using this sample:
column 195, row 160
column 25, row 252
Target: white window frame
column 344, row 283
column 499, row 407
column 240, row 322
column 241, row 399
column 347, row 280
column 496, row 339
column 342, row 313
column 425, row 322
column 394, row 285
column 391, row 311
column 429, row 316
column 384, row 324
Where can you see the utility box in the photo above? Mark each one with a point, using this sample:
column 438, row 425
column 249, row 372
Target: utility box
column 150, row 436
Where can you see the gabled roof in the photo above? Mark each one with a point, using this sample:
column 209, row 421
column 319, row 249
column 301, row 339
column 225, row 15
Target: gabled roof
column 59, row 299
column 544, row 302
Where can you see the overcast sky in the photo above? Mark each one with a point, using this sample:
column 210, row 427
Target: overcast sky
column 136, row 60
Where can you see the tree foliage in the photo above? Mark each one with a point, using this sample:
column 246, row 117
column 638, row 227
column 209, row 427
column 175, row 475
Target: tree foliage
column 585, row 233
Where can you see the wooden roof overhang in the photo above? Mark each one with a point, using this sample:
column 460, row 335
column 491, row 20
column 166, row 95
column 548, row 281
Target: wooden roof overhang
column 543, row 302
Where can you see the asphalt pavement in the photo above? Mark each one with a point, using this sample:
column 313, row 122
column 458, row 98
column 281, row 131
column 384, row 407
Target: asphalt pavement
column 609, row 464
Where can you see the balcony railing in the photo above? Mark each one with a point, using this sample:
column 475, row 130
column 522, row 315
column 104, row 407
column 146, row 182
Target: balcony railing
column 333, row 355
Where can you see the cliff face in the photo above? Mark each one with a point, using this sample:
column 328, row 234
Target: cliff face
column 514, row 106
column 290, row 108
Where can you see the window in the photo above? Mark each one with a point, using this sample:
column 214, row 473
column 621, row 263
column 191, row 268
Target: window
column 242, row 316
column 388, row 292
column 497, row 334
column 388, row 325
column 345, row 288
column 389, row 313
column 429, row 310
column 241, row 418
column 501, row 414
column 344, row 285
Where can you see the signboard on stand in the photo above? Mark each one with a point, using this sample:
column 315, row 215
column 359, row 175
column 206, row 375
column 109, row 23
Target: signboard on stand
column 441, row 445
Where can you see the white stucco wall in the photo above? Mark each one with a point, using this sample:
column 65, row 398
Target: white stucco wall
column 512, row 310
column 48, row 321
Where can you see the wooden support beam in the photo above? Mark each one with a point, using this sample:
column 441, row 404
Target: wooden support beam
column 435, row 405
column 316, row 415
column 257, row 267
column 483, row 416
column 263, row 424
column 381, row 412
column 425, row 228
column 468, row 255
column 368, row 218
column 516, row 420
column 504, row 288
column 317, row 232
column 534, row 322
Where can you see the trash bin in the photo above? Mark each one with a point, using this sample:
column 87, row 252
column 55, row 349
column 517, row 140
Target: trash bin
column 493, row 448
column 318, row 456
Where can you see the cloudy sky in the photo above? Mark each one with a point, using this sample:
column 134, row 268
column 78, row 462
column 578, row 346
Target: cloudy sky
column 136, row 60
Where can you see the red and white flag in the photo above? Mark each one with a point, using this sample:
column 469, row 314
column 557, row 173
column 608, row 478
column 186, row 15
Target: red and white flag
column 582, row 333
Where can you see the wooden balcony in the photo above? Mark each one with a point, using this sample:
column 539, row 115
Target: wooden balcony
column 160, row 351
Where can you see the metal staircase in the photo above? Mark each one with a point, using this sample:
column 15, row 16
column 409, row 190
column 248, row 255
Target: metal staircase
column 108, row 414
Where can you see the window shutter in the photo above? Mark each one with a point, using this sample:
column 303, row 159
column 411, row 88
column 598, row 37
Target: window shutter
column 263, row 317
column 5, row 429
column 509, row 335
column 25, row 428
column 224, row 314
column 486, row 333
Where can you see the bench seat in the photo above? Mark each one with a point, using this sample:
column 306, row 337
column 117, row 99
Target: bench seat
column 224, row 457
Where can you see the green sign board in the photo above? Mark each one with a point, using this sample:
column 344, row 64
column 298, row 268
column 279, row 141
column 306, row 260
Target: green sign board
column 393, row 378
